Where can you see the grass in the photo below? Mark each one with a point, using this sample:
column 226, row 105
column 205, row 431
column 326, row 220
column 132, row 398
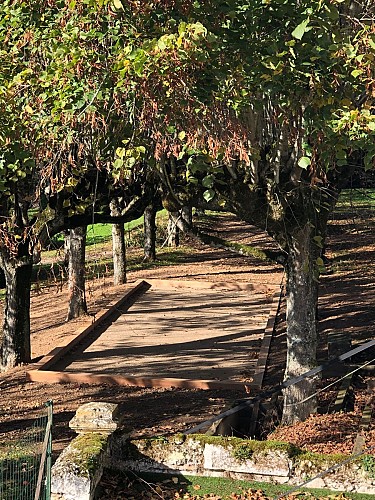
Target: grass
column 19, row 466
column 356, row 198
column 98, row 234
column 225, row 487
column 202, row 487
column 99, row 243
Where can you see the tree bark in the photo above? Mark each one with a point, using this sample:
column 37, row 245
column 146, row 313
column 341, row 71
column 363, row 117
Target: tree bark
column 302, row 298
column 150, row 233
column 76, row 280
column 187, row 214
column 118, row 246
column 173, row 230
column 119, row 254
column 15, row 342
column 66, row 249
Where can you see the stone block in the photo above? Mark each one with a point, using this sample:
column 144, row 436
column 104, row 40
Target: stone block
column 268, row 462
column 79, row 468
column 95, row 417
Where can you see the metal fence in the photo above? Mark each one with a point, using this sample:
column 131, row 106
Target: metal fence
column 25, row 463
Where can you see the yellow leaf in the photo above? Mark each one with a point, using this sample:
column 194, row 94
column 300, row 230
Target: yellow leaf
column 117, row 4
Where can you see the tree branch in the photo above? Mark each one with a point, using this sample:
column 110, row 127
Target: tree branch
column 237, row 248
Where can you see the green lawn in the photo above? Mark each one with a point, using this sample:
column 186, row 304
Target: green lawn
column 356, row 198
column 100, row 233
column 194, row 487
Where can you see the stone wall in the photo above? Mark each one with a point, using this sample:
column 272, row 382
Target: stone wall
column 239, row 458
column 79, row 468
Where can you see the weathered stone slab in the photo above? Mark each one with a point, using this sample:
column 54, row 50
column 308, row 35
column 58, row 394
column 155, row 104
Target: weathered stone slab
column 77, row 471
column 154, row 455
column 268, row 462
column 95, row 417
column 79, row 468
column 351, row 477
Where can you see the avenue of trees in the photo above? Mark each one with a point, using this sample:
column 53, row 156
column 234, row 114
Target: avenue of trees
column 258, row 107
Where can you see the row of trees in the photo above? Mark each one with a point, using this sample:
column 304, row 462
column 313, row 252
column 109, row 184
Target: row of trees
column 260, row 107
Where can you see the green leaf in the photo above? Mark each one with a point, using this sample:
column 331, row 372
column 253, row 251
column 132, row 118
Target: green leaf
column 182, row 135
column 356, row 72
column 181, row 27
column 118, row 163
column 320, row 262
column 208, row 181
column 304, row 162
column 319, row 241
column 209, row 195
column 117, row 4
column 301, row 29
column 120, row 152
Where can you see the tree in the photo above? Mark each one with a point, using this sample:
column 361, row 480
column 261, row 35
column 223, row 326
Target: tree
column 118, row 247
column 63, row 124
column 264, row 107
column 173, row 230
column 150, row 233
column 76, row 273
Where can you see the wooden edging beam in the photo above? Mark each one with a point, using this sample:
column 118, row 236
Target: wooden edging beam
column 79, row 335
column 43, row 370
column 365, row 422
column 53, row 377
column 342, row 393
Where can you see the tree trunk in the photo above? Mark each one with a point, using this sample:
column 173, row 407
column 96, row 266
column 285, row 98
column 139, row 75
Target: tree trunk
column 119, row 254
column 187, row 214
column 15, row 341
column 66, row 249
column 76, row 279
column 302, row 297
column 173, row 230
column 118, row 246
column 150, row 233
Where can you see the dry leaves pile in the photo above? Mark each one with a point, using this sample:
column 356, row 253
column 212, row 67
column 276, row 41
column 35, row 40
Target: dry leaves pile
column 331, row 432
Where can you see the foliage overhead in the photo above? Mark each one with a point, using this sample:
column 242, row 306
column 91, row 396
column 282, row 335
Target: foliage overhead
column 91, row 88
column 204, row 68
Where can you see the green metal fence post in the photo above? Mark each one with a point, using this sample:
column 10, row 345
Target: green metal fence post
column 49, row 451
